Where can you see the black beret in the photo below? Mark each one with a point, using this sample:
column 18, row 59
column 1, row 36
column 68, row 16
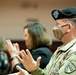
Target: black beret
column 65, row 13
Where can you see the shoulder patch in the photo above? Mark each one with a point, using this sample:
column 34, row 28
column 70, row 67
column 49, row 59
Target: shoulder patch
column 70, row 68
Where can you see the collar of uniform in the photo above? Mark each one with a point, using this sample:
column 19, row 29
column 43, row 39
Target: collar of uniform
column 67, row 46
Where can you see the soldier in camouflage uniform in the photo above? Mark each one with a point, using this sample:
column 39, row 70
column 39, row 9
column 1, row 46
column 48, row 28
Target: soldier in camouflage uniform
column 63, row 61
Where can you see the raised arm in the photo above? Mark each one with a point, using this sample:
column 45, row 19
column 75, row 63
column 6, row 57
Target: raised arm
column 13, row 50
column 29, row 63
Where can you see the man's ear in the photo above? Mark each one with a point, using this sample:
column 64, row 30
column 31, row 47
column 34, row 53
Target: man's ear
column 70, row 26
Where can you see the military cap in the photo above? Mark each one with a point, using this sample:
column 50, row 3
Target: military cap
column 69, row 12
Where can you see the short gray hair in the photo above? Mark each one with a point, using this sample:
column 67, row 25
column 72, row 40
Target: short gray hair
column 73, row 20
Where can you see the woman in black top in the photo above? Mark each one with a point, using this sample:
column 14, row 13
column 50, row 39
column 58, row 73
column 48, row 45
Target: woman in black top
column 37, row 41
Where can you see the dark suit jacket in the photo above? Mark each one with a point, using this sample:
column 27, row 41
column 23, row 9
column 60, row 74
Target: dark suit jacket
column 45, row 54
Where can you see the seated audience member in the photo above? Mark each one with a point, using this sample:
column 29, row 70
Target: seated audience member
column 63, row 61
column 4, row 63
column 37, row 40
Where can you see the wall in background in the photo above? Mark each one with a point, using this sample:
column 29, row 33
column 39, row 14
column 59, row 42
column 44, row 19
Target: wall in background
column 15, row 14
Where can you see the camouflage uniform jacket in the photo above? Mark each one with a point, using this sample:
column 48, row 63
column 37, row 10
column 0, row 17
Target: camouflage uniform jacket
column 63, row 61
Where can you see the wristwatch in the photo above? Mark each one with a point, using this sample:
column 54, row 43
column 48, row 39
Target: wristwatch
column 13, row 57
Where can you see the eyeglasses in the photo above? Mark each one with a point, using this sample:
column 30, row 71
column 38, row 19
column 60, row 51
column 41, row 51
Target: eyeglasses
column 63, row 25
